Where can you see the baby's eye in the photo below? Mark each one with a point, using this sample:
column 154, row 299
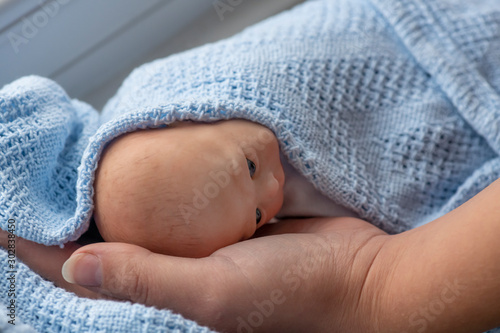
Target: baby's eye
column 251, row 167
column 258, row 215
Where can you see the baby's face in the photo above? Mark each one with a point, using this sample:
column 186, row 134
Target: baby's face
column 191, row 189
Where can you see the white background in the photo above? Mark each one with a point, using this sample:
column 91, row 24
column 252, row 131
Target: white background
column 89, row 46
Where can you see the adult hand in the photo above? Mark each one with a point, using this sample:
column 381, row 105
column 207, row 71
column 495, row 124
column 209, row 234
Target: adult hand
column 310, row 275
column 47, row 261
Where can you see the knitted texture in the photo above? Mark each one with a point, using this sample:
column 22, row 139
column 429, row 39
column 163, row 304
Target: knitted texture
column 43, row 135
column 6, row 327
column 389, row 107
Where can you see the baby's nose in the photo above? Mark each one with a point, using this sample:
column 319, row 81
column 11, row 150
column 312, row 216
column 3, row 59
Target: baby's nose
column 272, row 187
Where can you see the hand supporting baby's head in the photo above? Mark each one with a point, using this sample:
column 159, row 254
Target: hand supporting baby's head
column 189, row 189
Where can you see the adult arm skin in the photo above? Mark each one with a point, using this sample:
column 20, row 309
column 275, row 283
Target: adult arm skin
column 304, row 276
column 323, row 275
column 446, row 275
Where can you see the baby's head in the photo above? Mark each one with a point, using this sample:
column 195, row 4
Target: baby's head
column 188, row 189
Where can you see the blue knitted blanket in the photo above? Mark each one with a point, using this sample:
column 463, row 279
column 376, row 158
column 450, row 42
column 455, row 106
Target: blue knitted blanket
column 389, row 107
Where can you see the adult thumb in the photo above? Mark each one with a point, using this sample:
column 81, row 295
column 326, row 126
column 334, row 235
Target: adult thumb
column 129, row 272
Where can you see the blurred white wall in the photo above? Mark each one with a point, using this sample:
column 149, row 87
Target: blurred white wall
column 214, row 24
column 82, row 43
column 89, row 46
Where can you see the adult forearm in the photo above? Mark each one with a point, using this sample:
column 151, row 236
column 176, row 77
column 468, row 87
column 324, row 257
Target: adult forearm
column 445, row 276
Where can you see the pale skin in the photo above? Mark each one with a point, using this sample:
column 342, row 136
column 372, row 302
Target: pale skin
column 189, row 189
column 322, row 274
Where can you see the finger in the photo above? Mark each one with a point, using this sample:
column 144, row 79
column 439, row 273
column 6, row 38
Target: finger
column 46, row 261
column 4, row 238
column 130, row 272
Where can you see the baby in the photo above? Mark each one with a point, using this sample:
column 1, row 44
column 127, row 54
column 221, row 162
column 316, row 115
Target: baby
column 189, row 189
column 192, row 188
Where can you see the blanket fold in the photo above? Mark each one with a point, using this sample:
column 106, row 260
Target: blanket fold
column 456, row 47
column 389, row 107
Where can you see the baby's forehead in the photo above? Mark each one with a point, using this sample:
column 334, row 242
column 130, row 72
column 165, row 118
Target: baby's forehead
column 142, row 142
column 189, row 146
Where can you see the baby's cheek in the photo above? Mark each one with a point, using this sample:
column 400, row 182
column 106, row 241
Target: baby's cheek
column 105, row 230
column 115, row 229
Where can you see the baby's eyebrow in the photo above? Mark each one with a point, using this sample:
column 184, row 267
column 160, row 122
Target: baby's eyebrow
column 252, row 154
